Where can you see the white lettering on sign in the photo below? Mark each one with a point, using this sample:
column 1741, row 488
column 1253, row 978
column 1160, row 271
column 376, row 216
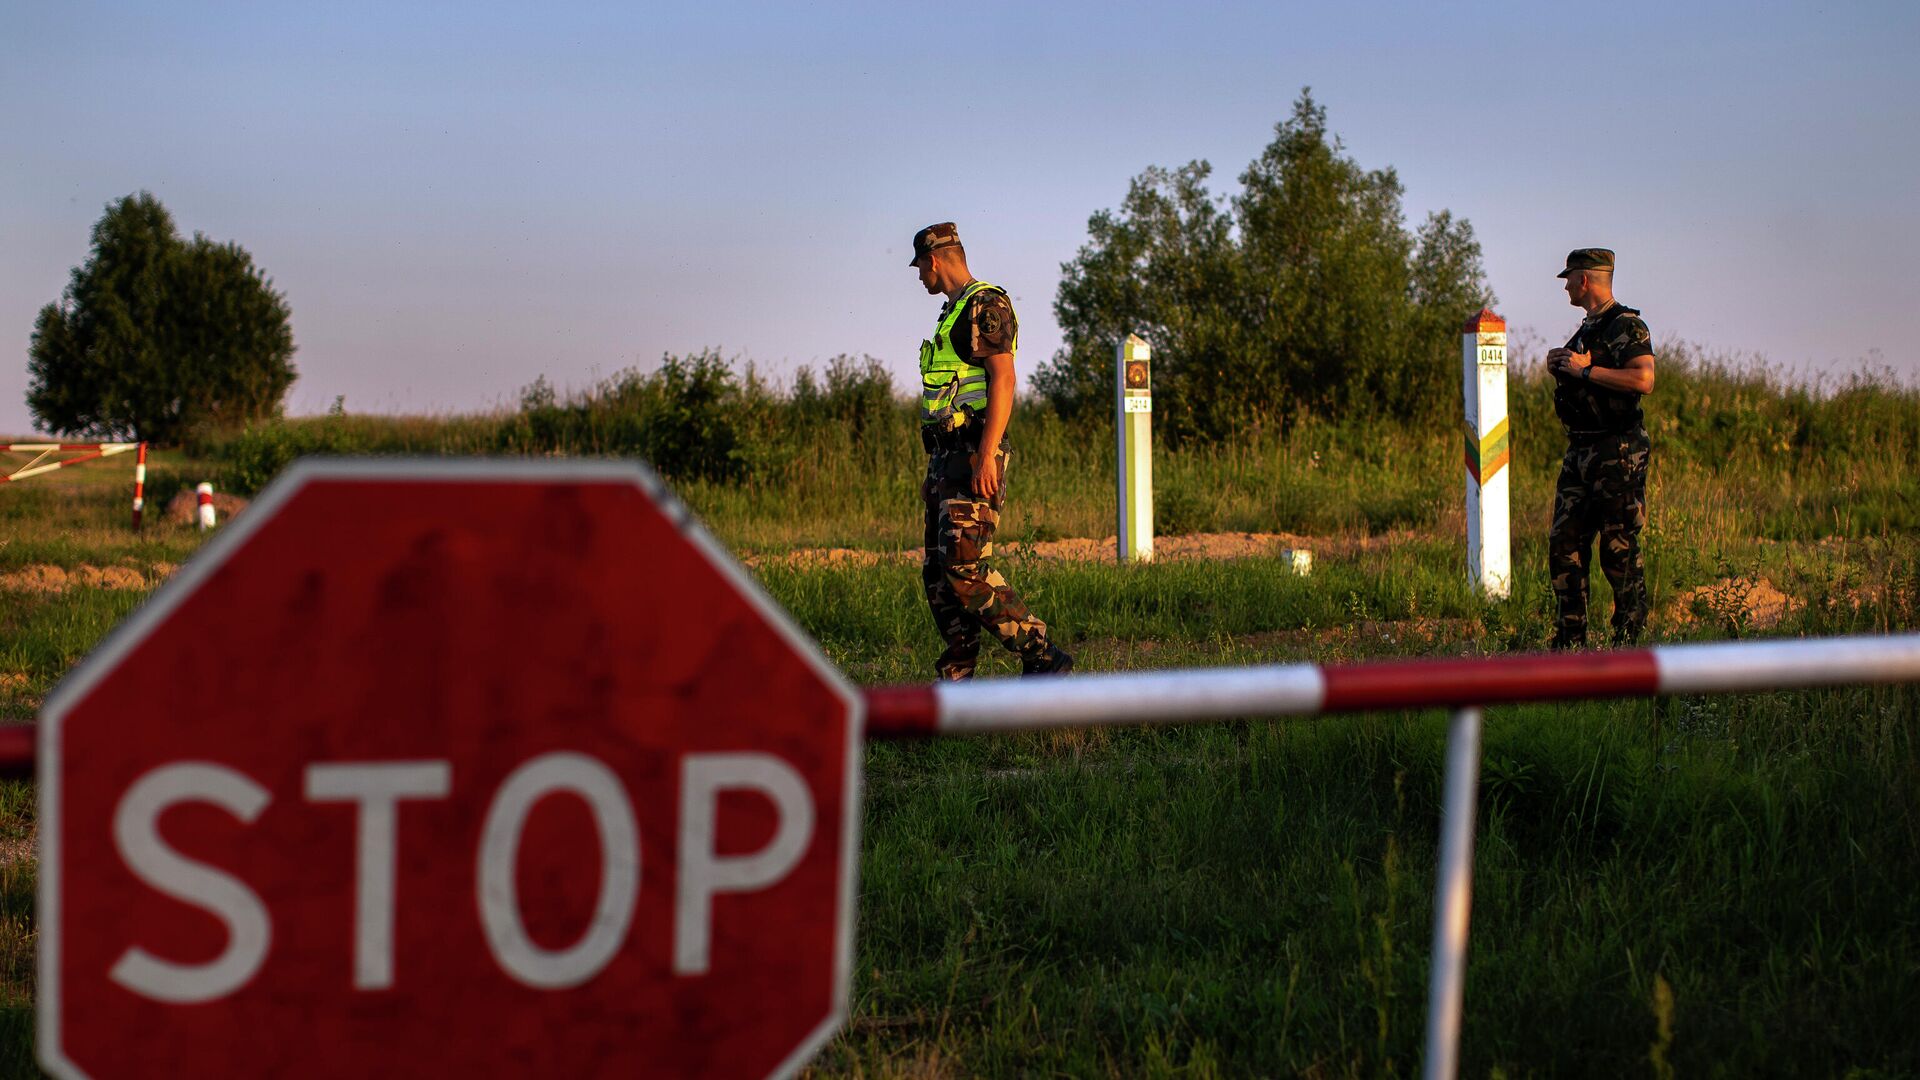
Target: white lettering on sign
column 377, row 787
column 1493, row 354
column 704, row 872
column 517, row 953
column 136, row 834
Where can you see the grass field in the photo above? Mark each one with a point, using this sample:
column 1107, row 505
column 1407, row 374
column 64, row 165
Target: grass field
column 1690, row 885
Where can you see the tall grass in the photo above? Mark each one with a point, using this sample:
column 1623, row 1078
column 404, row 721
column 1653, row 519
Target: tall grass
column 836, row 462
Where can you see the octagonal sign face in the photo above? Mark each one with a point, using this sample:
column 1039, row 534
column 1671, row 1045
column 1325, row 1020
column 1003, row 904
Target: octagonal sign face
column 449, row 768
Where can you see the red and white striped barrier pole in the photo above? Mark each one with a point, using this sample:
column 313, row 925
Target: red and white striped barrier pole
column 1149, row 697
column 1462, row 685
column 17, row 742
column 88, row 452
column 203, row 499
column 40, row 464
column 139, row 485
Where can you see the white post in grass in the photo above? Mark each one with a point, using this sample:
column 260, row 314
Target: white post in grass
column 1133, row 420
column 1483, row 364
column 203, row 503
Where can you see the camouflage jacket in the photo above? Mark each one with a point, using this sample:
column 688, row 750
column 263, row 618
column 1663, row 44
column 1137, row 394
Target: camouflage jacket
column 1611, row 336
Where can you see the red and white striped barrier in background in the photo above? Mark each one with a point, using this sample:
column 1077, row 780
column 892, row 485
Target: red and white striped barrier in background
column 139, row 485
column 1464, row 685
column 203, row 504
column 88, row 452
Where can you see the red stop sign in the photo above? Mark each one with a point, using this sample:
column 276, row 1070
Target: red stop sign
column 449, row 768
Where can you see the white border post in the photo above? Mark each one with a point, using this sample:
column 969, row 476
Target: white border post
column 1133, row 462
column 1452, row 896
column 1483, row 380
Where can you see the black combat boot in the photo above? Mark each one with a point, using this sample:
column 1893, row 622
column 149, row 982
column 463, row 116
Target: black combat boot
column 1052, row 660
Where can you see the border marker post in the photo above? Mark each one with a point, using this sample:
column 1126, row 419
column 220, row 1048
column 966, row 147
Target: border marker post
column 1483, row 369
column 1133, row 422
column 203, row 496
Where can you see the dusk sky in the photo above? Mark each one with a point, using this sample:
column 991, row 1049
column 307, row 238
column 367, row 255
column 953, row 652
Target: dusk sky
column 457, row 198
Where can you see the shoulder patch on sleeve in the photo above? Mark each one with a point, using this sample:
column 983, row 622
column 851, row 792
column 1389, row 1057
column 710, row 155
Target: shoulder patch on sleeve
column 1630, row 330
column 993, row 321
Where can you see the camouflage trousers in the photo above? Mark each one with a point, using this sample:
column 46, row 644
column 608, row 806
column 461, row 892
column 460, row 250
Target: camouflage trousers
column 963, row 589
column 1603, row 492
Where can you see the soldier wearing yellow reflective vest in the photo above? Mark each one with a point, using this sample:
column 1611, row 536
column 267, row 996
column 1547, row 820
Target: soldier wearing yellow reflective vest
column 966, row 399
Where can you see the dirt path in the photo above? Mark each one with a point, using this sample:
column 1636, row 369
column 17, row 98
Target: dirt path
column 1215, row 546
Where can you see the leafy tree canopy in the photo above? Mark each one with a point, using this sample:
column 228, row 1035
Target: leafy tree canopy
column 155, row 335
column 1304, row 293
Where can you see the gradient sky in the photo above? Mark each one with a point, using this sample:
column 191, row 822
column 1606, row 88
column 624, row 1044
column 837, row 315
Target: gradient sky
column 457, row 198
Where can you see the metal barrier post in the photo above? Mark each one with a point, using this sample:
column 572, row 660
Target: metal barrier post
column 1452, row 895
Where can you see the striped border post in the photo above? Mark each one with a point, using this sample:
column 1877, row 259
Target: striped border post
column 203, row 505
column 1483, row 382
column 139, row 485
column 1133, row 449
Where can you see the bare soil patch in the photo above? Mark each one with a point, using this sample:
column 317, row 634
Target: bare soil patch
column 1736, row 601
column 45, row 578
column 17, row 849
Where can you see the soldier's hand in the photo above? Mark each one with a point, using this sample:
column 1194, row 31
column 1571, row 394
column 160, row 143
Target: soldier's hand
column 986, row 474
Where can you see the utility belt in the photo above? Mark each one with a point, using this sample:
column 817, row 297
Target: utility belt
column 1599, row 435
column 965, row 438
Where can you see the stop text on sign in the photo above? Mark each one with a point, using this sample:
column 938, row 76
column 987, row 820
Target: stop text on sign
column 378, row 789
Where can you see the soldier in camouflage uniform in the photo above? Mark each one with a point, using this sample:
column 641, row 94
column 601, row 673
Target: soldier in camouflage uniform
column 966, row 374
column 1600, row 376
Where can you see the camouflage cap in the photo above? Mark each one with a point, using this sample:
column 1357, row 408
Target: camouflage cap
column 945, row 234
column 1588, row 259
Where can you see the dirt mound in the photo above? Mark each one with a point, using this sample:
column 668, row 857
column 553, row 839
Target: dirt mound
column 46, row 578
column 814, row 558
column 107, row 577
column 184, row 507
column 36, row 579
column 1740, row 602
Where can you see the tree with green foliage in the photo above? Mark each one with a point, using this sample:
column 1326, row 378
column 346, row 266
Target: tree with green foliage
column 156, row 335
column 1304, row 293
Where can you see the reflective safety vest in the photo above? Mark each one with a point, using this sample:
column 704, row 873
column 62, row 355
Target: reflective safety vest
column 951, row 389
